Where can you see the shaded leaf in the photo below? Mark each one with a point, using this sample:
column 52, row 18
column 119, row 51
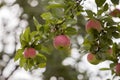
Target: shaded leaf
column 105, row 7
column 115, row 1
column 100, row 2
column 70, row 31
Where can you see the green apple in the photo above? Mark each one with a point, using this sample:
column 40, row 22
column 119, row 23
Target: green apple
column 92, row 59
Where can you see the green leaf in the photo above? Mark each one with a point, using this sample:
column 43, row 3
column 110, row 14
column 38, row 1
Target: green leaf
column 45, row 49
column 71, row 21
column 23, row 42
column 22, row 61
column 37, row 24
column 18, row 54
column 26, row 34
column 112, row 65
column 42, row 65
column 116, row 35
column 115, row 2
column 70, row 31
column 104, row 69
column 29, row 63
column 55, row 6
column 33, row 34
column 100, row 12
column 105, row 7
column 40, row 60
column 100, row 2
column 89, row 13
column 47, row 16
column 37, row 47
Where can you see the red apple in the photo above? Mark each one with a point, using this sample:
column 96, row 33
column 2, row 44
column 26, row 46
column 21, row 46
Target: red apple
column 115, row 13
column 117, row 69
column 29, row 53
column 92, row 59
column 93, row 24
column 61, row 42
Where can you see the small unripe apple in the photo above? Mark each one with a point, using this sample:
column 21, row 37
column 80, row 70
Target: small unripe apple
column 109, row 53
column 117, row 69
column 92, row 59
column 61, row 42
column 29, row 53
column 93, row 24
column 115, row 13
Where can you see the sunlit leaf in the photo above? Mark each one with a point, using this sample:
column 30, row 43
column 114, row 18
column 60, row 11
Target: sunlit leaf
column 103, row 69
column 37, row 24
column 18, row 54
column 47, row 16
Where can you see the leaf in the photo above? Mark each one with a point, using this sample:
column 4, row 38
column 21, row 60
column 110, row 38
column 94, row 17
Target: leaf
column 55, row 6
column 71, row 21
column 24, row 44
column 45, row 49
column 47, row 16
column 100, row 2
column 104, row 69
column 37, row 24
column 37, row 47
column 33, row 34
column 40, row 58
column 18, row 54
column 26, row 34
column 42, row 65
column 22, row 61
column 89, row 13
column 105, row 7
column 115, row 2
column 22, row 41
column 70, row 31
column 116, row 34
column 112, row 65
column 29, row 63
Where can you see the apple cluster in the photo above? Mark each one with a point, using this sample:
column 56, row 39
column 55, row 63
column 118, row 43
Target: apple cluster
column 94, row 24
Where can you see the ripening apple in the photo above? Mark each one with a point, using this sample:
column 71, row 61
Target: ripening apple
column 92, row 59
column 61, row 42
column 117, row 69
column 29, row 53
column 115, row 13
column 93, row 24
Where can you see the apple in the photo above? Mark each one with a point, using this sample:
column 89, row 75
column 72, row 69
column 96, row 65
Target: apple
column 109, row 53
column 117, row 69
column 29, row 53
column 61, row 42
column 92, row 59
column 93, row 24
column 115, row 13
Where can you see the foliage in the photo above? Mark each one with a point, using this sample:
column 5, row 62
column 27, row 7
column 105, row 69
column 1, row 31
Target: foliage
column 62, row 18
